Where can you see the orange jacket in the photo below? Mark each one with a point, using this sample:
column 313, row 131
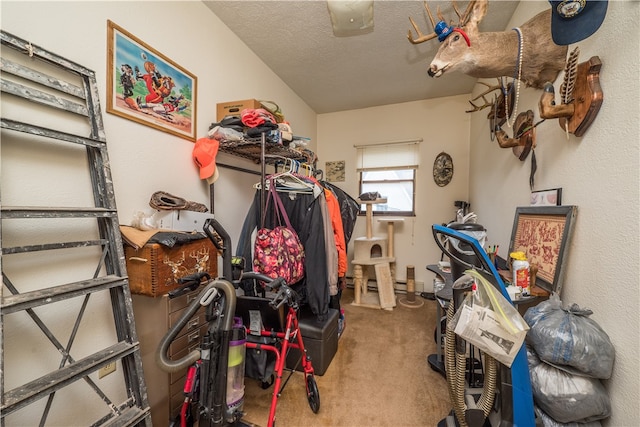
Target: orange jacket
column 338, row 231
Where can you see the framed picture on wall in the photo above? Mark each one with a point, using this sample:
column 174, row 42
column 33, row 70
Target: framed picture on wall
column 552, row 197
column 146, row 87
column 335, row 171
column 543, row 233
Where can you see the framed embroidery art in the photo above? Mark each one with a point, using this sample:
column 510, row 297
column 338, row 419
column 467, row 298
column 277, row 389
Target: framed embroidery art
column 543, row 233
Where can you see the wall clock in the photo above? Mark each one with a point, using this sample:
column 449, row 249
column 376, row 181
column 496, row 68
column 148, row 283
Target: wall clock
column 443, row 169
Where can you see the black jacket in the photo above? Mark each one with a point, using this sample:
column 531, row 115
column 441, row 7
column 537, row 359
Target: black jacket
column 306, row 218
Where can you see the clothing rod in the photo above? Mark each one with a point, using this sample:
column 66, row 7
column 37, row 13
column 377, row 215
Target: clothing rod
column 239, row 169
column 406, row 141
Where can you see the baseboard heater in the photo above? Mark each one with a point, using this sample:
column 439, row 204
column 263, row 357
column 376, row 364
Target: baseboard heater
column 400, row 286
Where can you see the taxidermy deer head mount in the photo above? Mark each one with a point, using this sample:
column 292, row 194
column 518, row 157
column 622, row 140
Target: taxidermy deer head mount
column 528, row 51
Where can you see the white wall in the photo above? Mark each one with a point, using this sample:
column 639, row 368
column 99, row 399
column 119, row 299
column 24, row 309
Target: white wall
column 339, row 132
column 597, row 172
column 143, row 159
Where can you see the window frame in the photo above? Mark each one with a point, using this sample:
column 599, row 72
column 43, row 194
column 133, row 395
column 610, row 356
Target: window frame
column 413, row 181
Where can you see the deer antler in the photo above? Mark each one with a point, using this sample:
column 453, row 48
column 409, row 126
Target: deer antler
column 482, row 95
column 421, row 37
column 463, row 18
column 479, row 107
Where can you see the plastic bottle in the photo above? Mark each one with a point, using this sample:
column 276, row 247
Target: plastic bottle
column 520, row 267
column 235, row 372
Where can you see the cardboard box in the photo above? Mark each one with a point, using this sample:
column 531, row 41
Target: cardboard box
column 181, row 220
column 154, row 269
column 234, row 108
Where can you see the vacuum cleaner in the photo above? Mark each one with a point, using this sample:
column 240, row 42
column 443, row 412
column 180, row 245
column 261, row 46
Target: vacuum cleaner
column 215, row 370
column 506, row 398
column 208, row 365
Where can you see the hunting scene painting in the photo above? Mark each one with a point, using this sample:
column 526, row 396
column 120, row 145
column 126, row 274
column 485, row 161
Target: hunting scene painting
column 147, row 87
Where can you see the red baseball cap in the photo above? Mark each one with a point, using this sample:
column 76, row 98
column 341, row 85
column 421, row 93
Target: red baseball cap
column 204, row 155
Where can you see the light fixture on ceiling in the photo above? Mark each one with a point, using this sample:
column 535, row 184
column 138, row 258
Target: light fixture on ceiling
column 351, row 17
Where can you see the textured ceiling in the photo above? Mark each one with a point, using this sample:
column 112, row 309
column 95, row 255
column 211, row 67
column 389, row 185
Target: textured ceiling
column 295, row 39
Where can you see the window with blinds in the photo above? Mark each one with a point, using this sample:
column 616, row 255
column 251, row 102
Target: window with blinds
column 390, row 169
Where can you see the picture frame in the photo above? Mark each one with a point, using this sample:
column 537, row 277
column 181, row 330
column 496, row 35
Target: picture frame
column 335, row 171
column 551, row 197
column 543, row 233
column 145, row 86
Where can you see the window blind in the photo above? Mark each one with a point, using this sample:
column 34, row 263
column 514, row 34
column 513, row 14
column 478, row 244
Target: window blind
column 389, row 155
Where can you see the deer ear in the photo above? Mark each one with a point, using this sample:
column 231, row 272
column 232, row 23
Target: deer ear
column 477, row 14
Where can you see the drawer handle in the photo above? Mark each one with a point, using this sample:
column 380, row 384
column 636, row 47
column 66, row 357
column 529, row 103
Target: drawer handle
column 190, row 298
column 135, row 258
column 194, row 336
column 192, row 324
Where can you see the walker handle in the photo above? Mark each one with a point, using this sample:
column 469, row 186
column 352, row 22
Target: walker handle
column 285, row 294
column 273, row 284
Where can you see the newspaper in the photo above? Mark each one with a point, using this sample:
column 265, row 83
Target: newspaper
column 480, row 326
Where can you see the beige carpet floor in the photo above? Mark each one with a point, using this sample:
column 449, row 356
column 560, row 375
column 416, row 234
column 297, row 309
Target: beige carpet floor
column 378, row 377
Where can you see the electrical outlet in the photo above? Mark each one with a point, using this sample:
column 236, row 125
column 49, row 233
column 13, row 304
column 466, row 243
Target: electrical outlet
column 107, row 369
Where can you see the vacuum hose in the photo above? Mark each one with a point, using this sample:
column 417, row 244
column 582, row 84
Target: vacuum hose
column 205, row 297
column 455, row 367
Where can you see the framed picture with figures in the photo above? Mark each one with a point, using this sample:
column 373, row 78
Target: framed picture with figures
column 145, row 86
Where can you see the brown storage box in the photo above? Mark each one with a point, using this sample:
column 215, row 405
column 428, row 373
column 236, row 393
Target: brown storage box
column 234, row 108
column 155, row 269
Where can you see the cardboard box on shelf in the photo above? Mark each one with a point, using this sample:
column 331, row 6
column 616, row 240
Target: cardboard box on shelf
column 235, row 107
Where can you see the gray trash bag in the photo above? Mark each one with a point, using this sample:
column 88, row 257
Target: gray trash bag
column 547, row 421
column 569, row 340
column 564, row 397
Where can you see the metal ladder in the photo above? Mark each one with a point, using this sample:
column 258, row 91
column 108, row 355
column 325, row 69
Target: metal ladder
column 35, row 237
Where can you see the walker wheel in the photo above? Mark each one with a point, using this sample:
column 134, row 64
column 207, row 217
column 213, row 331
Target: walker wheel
column 313, row 394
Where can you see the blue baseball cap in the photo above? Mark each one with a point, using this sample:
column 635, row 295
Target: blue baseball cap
column 575, row 20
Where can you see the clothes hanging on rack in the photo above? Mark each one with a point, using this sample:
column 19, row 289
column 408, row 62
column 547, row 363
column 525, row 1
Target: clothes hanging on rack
column 306, row 217
column 330, row 246
column 334, row 238
column 324, row 217
column 334, row 231
column 349, row 209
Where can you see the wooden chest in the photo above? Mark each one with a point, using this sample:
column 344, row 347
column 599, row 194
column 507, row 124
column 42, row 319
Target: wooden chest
column 155, row 269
